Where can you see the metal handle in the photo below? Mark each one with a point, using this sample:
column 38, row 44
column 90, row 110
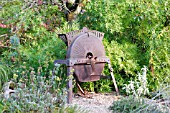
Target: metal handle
column 113, row 78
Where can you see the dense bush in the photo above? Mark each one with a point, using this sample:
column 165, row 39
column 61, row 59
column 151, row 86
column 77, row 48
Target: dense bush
column 33, row 93
column 136, row 34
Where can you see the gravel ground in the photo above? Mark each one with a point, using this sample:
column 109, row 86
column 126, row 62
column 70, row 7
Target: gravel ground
column 98, row 103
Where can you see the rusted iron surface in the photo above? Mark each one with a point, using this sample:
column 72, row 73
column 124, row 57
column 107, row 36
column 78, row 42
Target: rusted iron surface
column 85, row 54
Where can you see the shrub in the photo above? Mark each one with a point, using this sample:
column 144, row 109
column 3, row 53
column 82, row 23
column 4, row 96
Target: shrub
column 159, row 101
column 138, row 87
column 138, row 105
column 5, row 74
column 35, row 94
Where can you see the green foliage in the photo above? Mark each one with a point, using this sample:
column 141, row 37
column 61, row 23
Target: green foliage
column 36, row 28
column 5, row 74
column 36, row 93
column 138, row 105
column 70, row 109
column 126, row 105
column 104, row 86
column 136, row 34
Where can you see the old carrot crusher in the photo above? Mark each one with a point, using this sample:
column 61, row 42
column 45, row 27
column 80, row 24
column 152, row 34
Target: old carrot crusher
column 86, row 56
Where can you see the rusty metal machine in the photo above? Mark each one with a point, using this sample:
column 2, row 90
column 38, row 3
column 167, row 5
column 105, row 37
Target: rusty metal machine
column 86, row 56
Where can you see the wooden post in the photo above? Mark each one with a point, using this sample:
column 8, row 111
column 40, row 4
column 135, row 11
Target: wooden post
column 69, row 85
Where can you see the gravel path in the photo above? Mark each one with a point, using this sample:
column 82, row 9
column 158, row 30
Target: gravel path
column 98, row 103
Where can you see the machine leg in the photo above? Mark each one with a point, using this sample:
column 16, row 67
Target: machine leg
column 78, row 85
column 69, row 84
column 113, row 78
